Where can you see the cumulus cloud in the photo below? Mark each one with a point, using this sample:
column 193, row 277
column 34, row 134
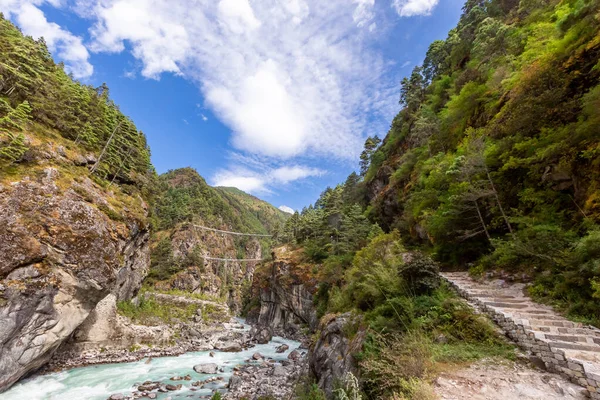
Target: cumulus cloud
column 245, row 182
column 63, row 43
column 289, row 77
column 411, row 8
column 252, row 181
column 286, row 209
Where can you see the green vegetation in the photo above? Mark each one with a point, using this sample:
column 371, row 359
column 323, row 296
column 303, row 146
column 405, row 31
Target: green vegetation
column 36, row 95
column 494, row 159
column 146, row 310
column 493, row 163
column 183, row 197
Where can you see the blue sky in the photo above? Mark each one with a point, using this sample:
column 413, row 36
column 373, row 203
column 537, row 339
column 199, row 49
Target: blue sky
column 275, row 97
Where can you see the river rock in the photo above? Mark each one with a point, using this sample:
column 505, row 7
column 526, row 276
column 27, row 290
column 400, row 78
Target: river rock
column 234, row 381
column 210, row 368
column 257, row 356
column 282, row 349
column 117, row 396
column 279, row 370
column 228, row 347
column 294, row 355
column 173, row 387
column 262, row 335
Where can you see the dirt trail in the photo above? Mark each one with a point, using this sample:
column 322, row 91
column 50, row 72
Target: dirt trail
column 489, row 380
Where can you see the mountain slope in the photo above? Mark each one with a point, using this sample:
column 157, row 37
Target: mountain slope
column 181, row 250
column 494, row 158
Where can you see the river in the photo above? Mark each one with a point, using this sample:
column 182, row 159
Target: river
column 98, row 382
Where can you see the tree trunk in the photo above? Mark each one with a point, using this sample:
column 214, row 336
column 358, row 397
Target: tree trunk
column 487, row 234
column 498, row 201
column 105, row 147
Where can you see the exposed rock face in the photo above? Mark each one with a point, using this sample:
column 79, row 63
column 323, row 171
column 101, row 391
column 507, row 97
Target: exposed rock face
column 286, row 301
column 105, row 328
column 59, row 256
column 332, row 356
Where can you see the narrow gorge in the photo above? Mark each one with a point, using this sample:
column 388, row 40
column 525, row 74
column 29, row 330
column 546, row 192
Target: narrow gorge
column 460, row 261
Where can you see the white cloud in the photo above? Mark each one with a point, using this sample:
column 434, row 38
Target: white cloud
column 289, row 77
column 289, row 174
column 33, row 22
column 286, row 209
column 250, row 184
column 204, row 117
column 253, row 181
column 237, row 15
column 158, row 40
column 410, row 8
column 363, row 13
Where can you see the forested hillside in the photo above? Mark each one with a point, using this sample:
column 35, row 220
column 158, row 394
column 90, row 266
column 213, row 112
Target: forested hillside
column 493, row 163
column 33, row 87
column 495, row 157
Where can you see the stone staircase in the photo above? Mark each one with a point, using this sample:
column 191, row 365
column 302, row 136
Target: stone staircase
column 565, row 347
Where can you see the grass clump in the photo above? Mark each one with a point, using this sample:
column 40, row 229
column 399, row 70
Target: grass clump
column 146, row 310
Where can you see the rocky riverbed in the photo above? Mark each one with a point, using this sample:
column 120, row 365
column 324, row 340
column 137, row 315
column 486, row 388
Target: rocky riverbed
column 253, row 370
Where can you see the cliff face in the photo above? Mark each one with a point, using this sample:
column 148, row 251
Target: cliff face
column 59, row 256
column 286, row 294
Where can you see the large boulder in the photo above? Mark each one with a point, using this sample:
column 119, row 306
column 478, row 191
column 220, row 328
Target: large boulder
column 261, row 334
column 210, row 368
column 63, row 248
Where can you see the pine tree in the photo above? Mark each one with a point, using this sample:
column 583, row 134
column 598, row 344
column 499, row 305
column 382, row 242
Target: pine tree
column 15, row 148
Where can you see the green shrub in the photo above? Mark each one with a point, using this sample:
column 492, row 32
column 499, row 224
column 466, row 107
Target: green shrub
column 309, row 391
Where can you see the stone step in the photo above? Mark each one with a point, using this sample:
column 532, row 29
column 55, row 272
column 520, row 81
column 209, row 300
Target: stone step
column 559, row 330
column 555, row 323
column 574, row 346
column 506, row 305
column 571, row 339
column 564, row 346
column 495, row 296
column 549, row 319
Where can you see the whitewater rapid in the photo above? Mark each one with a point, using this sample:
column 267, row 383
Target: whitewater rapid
column 98, row 382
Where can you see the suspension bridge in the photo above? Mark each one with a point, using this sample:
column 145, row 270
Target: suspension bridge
column 206, row 228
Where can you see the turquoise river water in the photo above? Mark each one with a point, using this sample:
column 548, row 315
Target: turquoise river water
column 98, row 382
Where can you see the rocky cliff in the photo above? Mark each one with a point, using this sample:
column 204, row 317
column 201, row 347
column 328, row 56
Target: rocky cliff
column 332, row 356
column 74, row 176
column 285, row 290
column 64, row 246
column 285, row 287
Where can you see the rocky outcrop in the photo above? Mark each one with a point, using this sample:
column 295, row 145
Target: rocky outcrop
column 286, row 299
column 332, row 356
column 63, row 248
